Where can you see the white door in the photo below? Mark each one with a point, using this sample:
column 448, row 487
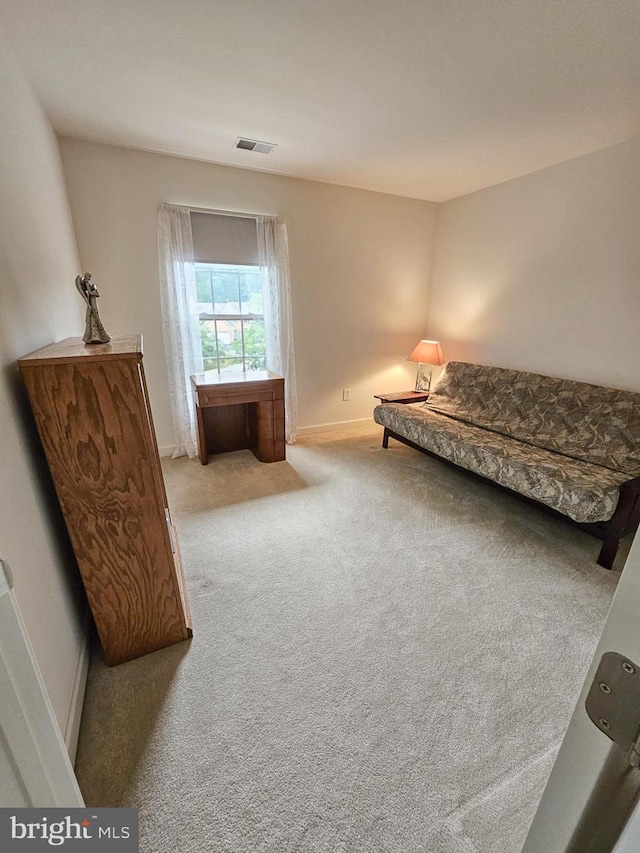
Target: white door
column 593, row 789
column 35, row 769
column 630, row 840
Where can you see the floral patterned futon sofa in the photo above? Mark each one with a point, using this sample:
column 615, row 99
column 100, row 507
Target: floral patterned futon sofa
column 571, row 446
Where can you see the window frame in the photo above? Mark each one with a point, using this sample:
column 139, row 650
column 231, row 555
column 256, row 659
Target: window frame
column 216, row 317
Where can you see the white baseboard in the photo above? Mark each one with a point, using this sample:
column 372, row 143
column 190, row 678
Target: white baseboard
column 335, row 425
column 72, row 728
column 169, row 449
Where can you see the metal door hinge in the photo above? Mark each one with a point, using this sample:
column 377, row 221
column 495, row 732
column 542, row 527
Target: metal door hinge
column 613, row 703
column 6, row 578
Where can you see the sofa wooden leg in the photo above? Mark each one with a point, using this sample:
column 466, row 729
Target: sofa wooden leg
column 608, row 552
column 385, row 438
column 623, row 521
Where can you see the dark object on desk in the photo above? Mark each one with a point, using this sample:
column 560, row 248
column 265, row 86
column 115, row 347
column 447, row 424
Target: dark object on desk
column 237, row 411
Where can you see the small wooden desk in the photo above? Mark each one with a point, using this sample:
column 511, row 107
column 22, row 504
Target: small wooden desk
column 240, row 410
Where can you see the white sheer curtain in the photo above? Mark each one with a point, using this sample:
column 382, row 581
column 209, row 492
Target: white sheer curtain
column 180, row 325
column 273, row 257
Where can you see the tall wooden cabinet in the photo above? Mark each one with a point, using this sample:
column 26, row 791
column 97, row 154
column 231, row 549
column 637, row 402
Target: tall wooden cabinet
column 92, row 410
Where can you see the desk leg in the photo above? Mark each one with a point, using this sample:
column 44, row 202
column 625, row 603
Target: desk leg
column 278, row 433
column 268, row 441
column 202, row 438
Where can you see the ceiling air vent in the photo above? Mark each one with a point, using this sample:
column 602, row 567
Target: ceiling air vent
column 255, row 145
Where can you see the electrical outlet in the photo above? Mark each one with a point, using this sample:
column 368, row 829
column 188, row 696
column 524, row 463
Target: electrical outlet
column 346, row 395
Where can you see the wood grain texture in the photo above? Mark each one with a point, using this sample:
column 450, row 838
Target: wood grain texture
column 240, row 411
column 225, row 428
column 95, row 423
column 74, row 349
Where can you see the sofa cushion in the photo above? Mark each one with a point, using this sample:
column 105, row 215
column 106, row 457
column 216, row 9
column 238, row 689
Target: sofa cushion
column 581, row 490
column 587, row 422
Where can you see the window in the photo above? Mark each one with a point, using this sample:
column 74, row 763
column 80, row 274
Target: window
column 229, row 292
column 231, row 316
column 234, row 257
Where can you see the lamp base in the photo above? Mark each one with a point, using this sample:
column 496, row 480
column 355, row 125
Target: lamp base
column 423, row 377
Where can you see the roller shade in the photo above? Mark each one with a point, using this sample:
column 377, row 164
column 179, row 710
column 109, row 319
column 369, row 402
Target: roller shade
column 219, row 239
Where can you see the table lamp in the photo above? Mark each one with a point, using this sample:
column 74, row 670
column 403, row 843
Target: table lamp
column 426, row 353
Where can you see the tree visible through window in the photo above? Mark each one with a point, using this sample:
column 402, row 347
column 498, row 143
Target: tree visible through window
column 231, row 316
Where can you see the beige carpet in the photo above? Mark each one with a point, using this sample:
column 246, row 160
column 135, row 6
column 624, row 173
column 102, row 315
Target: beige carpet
column 386, row 653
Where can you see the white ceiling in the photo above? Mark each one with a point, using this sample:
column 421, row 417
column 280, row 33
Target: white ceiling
column 424, row 98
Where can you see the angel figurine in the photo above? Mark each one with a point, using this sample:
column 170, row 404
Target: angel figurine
column 94, row 331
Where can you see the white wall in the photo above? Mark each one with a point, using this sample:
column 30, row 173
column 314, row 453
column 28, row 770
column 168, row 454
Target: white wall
column 359, row 266
column 543, row 273
column 38, row 304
